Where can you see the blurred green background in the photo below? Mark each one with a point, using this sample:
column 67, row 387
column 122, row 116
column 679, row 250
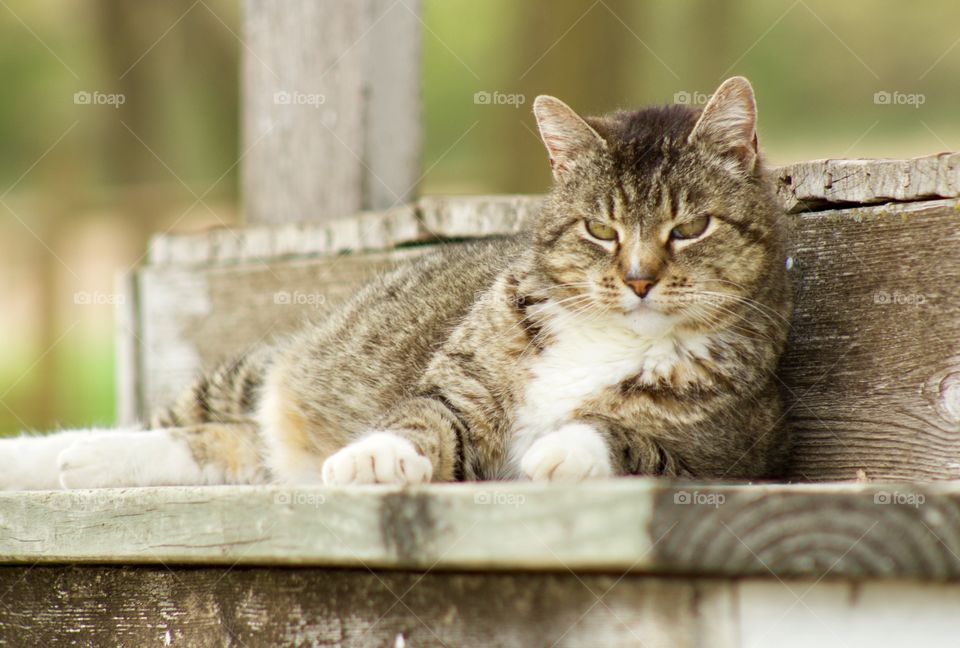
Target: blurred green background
column 82, row 186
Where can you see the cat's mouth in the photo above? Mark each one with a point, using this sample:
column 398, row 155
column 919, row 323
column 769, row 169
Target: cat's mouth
column 649, row 318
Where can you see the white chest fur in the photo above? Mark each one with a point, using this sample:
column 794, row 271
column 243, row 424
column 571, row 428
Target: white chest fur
column 583, row 357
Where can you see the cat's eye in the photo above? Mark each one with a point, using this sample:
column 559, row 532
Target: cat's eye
column 691, row 229
column 601, row 231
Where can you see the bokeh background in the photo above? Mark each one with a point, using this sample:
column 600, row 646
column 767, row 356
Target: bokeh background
column 82, row 186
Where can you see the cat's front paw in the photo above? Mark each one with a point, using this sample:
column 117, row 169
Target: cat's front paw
column 574, row 452
column 380, row 458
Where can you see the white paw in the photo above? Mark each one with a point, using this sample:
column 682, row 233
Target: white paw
column 143, row 458
column 92, row 463
column 30, row 462
column 380, row 458
column 574, row 452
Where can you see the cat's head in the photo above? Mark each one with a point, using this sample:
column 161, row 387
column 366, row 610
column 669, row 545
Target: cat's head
column 663, row 214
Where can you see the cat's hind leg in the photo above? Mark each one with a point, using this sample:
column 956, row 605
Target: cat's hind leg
column 209, row 453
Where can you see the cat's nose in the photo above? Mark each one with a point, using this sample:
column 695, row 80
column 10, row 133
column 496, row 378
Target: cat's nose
column 640, row 285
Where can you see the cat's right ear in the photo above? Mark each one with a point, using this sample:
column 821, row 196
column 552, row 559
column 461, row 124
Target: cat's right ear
column 565, row 134
column 728, row 122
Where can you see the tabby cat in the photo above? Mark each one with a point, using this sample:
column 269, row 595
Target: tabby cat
column 633, row 329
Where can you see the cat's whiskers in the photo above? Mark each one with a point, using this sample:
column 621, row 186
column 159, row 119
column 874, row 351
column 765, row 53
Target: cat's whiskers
column 767, row 308
column 718, row 300
column 736, row 330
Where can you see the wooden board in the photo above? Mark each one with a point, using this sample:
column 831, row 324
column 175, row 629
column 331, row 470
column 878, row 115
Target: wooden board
column 823, row 184
column 428, row 220
column 611, row 526
column 873, row 362
column 257, row 607
column 874, row 375
column 331, row 107
column 191, row 319
column 83, row 606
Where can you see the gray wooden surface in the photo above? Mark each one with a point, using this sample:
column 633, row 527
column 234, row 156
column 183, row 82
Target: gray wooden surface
column 853, row 531
column 331, row 107
column 427, row 220
column 192, row 318
column 84, row 606
column 873, row 362
column 872, row 374
column 823, row 184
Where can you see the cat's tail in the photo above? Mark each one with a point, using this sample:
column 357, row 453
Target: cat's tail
column 228, row 394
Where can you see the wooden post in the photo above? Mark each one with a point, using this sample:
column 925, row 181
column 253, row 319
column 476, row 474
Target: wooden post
column 331, row 118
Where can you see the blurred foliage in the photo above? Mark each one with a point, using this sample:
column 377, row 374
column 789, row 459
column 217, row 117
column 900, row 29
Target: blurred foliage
column 82, row 186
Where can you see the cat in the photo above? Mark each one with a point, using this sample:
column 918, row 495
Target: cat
column 633, row 328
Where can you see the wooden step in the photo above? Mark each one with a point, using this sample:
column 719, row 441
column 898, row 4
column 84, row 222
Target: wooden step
column 628, row 562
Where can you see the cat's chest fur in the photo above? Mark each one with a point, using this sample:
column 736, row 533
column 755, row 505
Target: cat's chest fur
column 586, row 356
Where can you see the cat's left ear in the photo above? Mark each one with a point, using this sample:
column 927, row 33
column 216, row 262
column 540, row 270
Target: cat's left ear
column 728, row 123
column 565, row 134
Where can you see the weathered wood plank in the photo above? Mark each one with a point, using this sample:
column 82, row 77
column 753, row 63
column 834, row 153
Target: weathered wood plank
column 308, row 607
column 83, row 606
column 429, row 219
column 873, row 363
column 613, row 526
column 825, row 183
column 476, row 216
column 191, row 319
column 331, row 119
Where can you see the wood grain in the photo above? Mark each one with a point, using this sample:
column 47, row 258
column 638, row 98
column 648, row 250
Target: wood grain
column 192, row 319
column 820, row 184
column 873, row 363
column 89, row 605
column 430, row 219
column 308, row 607
column 612, row 526
column 331, row 107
